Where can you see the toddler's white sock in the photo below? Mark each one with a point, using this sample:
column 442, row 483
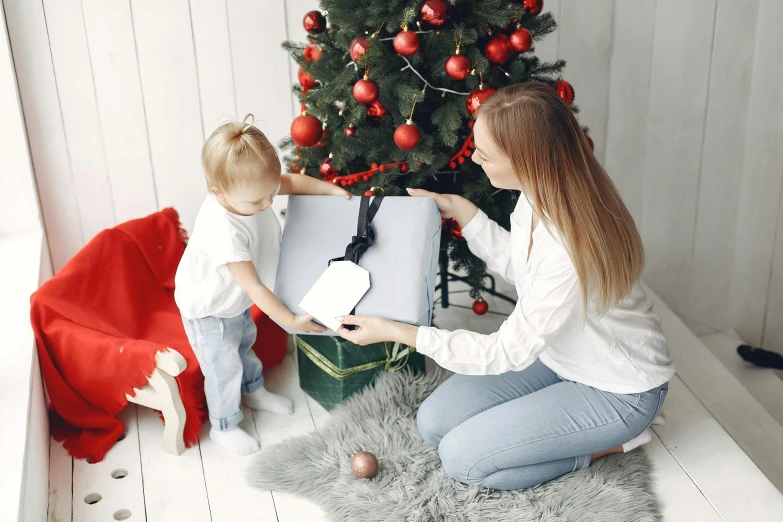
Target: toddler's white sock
column 262, row 399
column 659, row 420
column 643, row 438
column 237, row 440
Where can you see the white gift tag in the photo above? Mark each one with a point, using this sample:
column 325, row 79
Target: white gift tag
column 336, row 293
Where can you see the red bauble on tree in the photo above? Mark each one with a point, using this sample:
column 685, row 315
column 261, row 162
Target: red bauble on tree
column 478, row 97
column 565, row 91
column 435, row 12
column 365, row 91
column 452, row 226
column 498, row 49
column 407, row 136
column 480, row 306
column 521, row 40
column 457, row 67
column 376, row 110
column 306, row 130
column 322, row 142
column 533, row 7
column 328, row 172
column 358, row 47
column 307, row 81
column 350, row 131
column 312, row 53
column 406, row 43
column 314, row 22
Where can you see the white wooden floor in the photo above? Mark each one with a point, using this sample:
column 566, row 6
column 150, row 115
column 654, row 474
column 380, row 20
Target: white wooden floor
column 700, row 472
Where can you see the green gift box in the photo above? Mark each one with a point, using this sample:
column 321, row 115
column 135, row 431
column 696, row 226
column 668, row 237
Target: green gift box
column 332, row 369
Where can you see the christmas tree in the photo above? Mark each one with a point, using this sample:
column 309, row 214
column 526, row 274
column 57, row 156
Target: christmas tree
column 387, row 92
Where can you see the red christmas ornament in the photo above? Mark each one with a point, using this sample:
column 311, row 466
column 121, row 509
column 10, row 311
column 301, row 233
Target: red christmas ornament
column 565, row 91
column 350, row 132
column 365, row 91
column 312, row 53
column 295, row 168
column 458, row 67
column 498, row 49
column 452, row 226
column 406, row 42
column 480, row 306
column 435, row 12
column 358, row 47
column 376, row 110
column 533, row 7
column 328, row 172
column 306, row 130
column 322, row 141
column 478, row 97
column 307, row 81
column 521, row 40
column 314, row 22
column 590, row 142
column 369, row 193
column 407, row 136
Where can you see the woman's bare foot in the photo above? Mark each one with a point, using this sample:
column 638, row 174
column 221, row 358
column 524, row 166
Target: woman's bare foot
column 596, row 456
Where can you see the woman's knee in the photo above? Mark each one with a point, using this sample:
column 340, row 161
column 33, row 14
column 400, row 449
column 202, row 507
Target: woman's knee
column 458, row 461
column 430, row 421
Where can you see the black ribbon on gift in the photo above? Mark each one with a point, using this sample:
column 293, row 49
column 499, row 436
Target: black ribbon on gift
column 365, row 235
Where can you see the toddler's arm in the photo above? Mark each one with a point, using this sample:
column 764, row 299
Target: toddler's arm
column 302, row 184
column 244, row 273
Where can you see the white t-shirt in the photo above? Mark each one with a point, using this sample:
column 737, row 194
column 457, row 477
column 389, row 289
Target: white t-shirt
column 203, row 285
column 624, row 351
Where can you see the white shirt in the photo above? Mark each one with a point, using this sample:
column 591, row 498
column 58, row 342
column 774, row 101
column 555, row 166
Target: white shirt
column 203, row 285
column 624, row 351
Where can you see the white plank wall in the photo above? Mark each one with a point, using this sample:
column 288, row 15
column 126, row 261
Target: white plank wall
column 169, row 84
column 73, row 72
column 48, row 149
column 727, row 114
column 587, row 51
column 683, row 101
column 115, row 72
column 629, row 99
column 761, row 185
column 679, row 88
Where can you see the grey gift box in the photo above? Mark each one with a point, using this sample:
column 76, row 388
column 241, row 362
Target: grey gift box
column 403, row 260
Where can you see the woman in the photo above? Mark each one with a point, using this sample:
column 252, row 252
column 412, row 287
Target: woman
column 580, row 369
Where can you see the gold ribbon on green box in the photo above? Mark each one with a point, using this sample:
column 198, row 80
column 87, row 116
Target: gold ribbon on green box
column 396, row 358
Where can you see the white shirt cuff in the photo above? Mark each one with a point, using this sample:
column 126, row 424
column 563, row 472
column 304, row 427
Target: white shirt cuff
column 423, row 338
column 472, row 229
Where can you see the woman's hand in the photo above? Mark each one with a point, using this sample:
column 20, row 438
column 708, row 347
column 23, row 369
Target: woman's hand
column 451, row 206
column 303, row 184
column 336, row 190
column 377, row 330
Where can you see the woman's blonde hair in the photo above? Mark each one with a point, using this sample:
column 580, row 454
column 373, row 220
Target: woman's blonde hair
column 529, row 123
column 237, row 153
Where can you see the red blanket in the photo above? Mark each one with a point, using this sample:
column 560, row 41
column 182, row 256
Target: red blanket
column 99, row 323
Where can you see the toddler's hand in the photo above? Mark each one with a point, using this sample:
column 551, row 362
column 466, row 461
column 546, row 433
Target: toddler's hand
column 339, row 191
column 304, row 323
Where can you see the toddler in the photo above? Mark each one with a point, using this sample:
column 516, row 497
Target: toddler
column 230, row 263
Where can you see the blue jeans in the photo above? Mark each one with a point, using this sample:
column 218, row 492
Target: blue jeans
column 521, row 429
column 224, row 351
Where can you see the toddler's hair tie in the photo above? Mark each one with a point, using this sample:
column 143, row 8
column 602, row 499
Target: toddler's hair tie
column 248, row 122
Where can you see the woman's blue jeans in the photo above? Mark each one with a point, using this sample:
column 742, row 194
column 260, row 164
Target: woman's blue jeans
column 521, row 429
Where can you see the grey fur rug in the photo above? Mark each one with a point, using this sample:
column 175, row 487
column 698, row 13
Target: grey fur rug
column 411, row 484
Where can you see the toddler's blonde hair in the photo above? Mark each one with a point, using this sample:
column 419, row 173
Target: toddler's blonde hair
column 238, row 153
